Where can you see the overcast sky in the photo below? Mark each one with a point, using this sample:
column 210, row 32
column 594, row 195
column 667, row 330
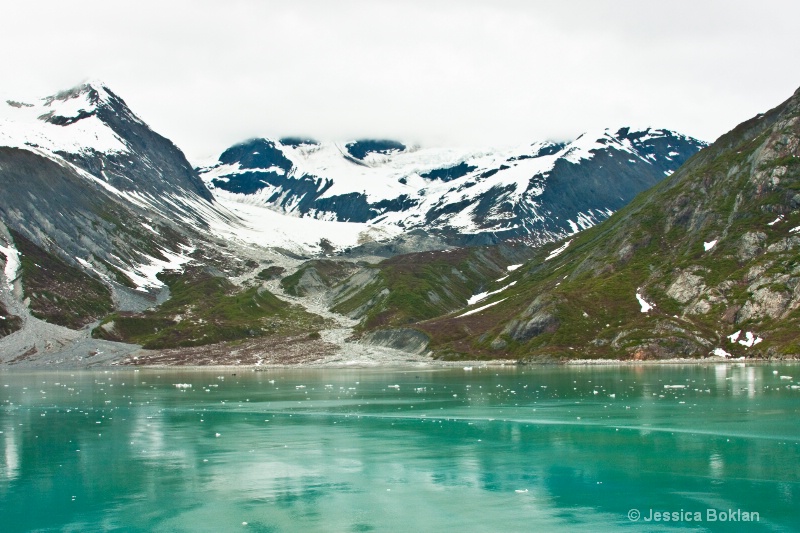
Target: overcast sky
column 208, row 74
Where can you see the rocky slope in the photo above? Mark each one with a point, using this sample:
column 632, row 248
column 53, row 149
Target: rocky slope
column 110, row 240
column 706, row 262
column 99, row 218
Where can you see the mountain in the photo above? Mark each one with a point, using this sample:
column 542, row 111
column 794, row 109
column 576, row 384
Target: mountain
column 111, row 241
column 540, row 192
column 102, row 202
column 707, row 262
column 101, row 215
column 83, row 175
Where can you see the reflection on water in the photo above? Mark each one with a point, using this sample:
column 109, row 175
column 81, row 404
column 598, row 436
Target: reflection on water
column 510, row 449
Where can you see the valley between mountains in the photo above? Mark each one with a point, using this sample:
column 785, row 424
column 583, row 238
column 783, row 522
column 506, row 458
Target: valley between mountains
column 631, row 244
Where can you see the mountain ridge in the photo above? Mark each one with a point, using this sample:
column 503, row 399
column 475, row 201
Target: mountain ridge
column 469, row 197
column 705, row 263
column 142, row 241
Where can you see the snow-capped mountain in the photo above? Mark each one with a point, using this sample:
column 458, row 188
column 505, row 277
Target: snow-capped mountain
column 86, row 183
column 540, row 191
column 95, row 206
column 92, row 128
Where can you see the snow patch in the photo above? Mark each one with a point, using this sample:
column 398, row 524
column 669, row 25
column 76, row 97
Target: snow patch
column 780, row 217
column 558, row 251
column 267, row 227
column 144, row 276
column 12, row 264
column 646, row 307
column 573, row 227
column 483, row 295
column 750, row 340
column 479, row 309
column 709, row 245
column 22, row 127
column 719, row 352
column 512, row 268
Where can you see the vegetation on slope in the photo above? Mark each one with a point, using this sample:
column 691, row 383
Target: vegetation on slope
column 315, row 274
column 204, row 309
column 8, row 323
column 410, row 288
column 742, row 194
column 58, row 292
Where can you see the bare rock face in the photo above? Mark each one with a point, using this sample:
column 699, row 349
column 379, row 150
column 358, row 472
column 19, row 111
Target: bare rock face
column 538, row 318
column 751, row 245
column 765, row 303
column 686, row 287
column 403, row 339
column 784, row 245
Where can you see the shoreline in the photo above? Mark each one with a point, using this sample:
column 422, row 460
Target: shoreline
column 433, row 365
column 479, row 363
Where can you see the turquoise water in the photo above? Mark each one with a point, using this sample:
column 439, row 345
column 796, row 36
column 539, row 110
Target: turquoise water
column 492, row 449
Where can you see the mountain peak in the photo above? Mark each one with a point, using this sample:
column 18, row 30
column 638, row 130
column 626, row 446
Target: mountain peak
column 90, row 93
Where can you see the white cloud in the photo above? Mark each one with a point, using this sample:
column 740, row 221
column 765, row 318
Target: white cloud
column 208, row 73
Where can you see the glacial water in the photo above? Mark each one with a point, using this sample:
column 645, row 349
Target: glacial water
column 488, row 449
